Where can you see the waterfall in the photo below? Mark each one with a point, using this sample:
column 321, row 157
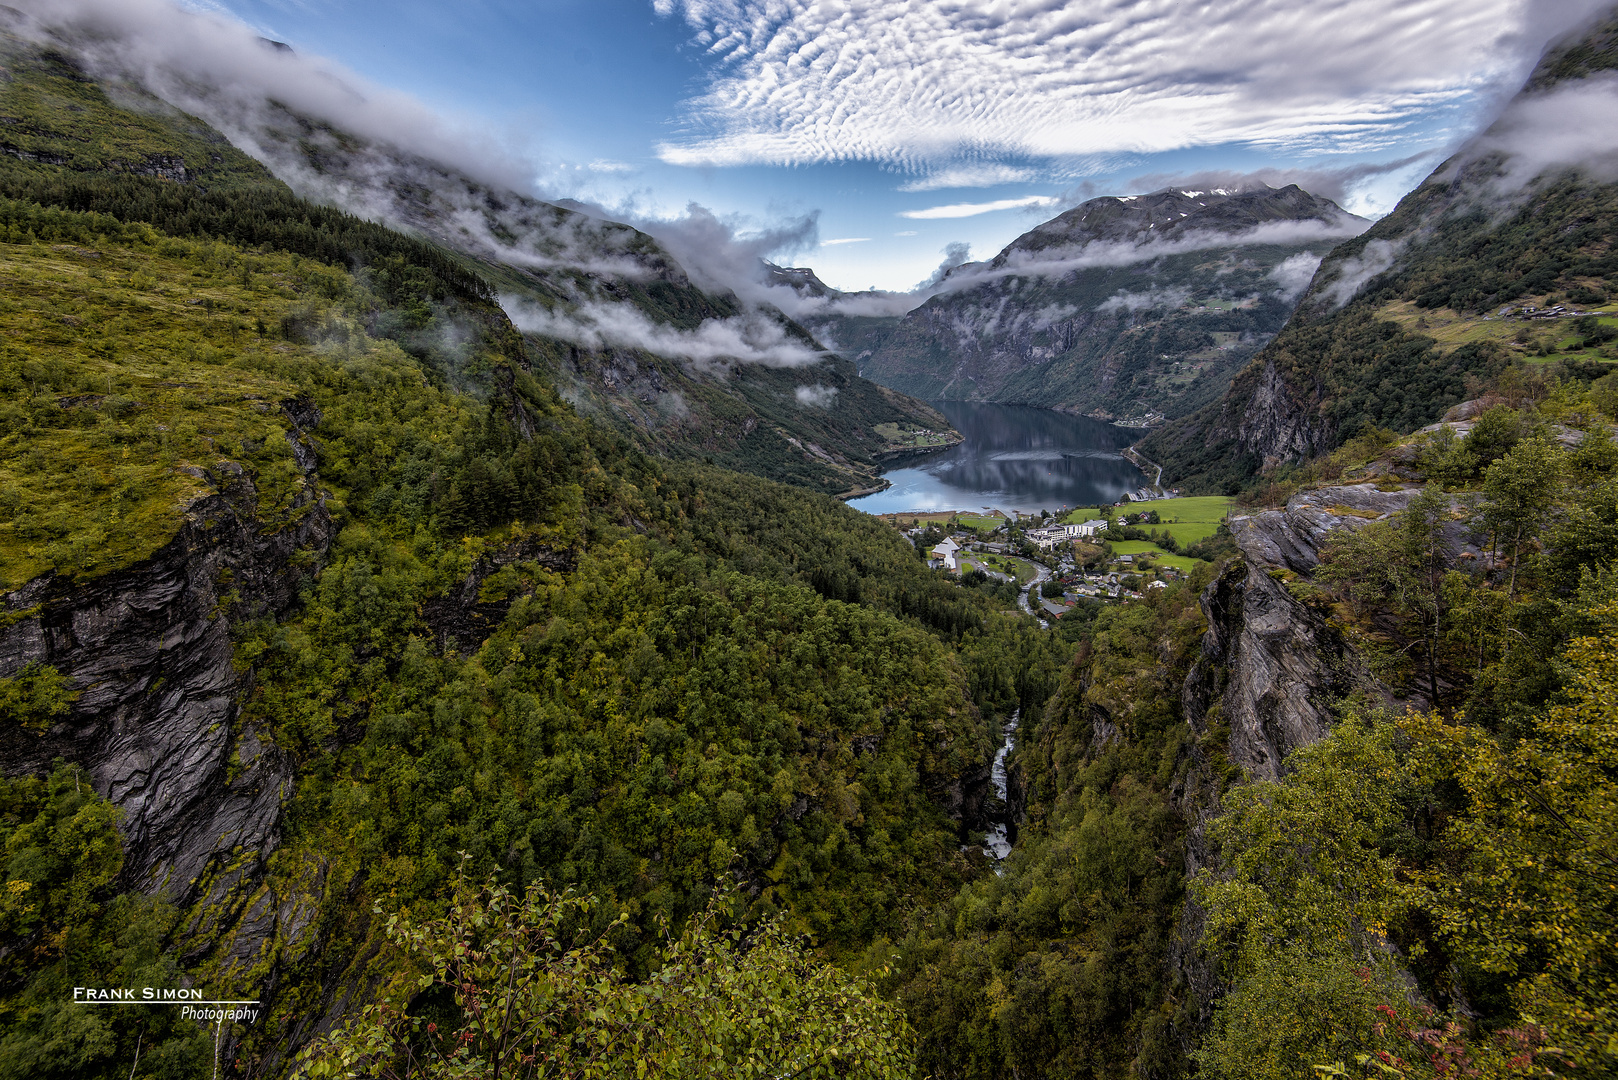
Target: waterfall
column 998, row 843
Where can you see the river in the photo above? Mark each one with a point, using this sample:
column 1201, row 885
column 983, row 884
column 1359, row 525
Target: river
column 1013, row 458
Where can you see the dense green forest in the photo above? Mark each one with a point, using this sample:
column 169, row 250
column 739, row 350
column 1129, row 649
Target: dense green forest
column 692, row 674
column 685, row 771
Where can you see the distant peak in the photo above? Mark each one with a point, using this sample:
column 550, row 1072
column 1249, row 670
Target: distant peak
column 800, row 278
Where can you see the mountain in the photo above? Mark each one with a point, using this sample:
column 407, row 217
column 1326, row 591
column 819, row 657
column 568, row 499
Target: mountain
column 617, row 322
column 1405, row 320
column 322, row 608
column 852, row 324
column 273, row 478
column 1119, row 308
column 683, row 368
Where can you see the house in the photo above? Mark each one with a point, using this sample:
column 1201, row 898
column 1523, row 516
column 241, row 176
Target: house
column 944, row 554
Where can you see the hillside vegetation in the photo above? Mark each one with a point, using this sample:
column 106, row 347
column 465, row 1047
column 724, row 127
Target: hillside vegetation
column 134, row 158
column 593, row 762
column 1419, row 326
column 665, row 675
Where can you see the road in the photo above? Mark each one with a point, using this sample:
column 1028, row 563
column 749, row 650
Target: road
column 1041, row 575
column 1144, row 463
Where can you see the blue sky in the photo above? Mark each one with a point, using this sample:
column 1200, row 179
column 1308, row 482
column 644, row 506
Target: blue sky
column 898, row 122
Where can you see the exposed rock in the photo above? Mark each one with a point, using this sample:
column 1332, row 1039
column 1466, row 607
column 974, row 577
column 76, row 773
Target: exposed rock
column 156, row 724
column 460, row 620
column 1292, row 537
column 1568, row 437
column 1052, row 322
column 1273, row 427
column 1270, row 677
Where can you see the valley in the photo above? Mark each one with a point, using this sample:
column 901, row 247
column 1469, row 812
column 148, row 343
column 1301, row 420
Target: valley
column 477, row 638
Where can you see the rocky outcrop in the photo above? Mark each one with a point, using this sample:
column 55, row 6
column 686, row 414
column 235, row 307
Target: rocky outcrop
column 1273, row 427
column 1292, row 537
column 464, row 617
column 1269, row 680
column 156, row 725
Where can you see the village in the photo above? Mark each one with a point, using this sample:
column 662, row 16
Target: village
column 1114, row 554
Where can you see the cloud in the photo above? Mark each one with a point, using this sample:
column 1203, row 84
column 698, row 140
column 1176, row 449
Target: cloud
column 334, row 137
column 816, row 397
column 1144, row 301
column 1352, row 273
column 1570, row 126
column 798, row 81
column 727, row 253
column 961, row 210
column 752, row 338
column 1056, row 262
column 1294, row 274
column 219, row 69
column 1332, row 183
column 846, row 240
column 982, row 174
column 956, row 255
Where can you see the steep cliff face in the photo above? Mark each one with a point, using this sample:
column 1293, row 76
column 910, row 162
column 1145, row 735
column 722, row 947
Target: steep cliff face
column 1398, row 322
column 148, row 648
column 1119, row 307
column 1271, row 676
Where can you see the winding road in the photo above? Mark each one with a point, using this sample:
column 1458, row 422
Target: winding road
column 1041, row 575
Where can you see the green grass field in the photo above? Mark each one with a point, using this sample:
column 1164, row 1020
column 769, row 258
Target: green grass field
column 1191, row 519
column 1081, row 515
column 1187, row 520
column 981, row 523
column 1022, row 569
column 1162, row 558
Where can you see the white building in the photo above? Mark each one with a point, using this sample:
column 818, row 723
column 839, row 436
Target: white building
column 1089, row 528
column 1048, row 538
column 944, row 554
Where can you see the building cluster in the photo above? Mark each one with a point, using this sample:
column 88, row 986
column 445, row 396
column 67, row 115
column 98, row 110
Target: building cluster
column 1559, row 311
column 1051, row 535
column 966, row 550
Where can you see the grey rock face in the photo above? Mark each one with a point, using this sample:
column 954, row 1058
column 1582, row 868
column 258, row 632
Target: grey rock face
column 1270, row 674
column 1292, row 537
column 1280, row 668
column 149, row 648
column 1273, row 427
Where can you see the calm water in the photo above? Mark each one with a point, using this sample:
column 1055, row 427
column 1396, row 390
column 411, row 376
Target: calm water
column 1014, row 458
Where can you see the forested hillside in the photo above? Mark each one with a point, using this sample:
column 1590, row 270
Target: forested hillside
column 1410, row 317
column 377, row 597
column 348, row 671
column 67, row 144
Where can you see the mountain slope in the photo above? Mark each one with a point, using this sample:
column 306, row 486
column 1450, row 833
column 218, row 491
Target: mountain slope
column 309, row 582
column 682, row 370
column 1121, row 307
column 1400, row 321
column 682, row 367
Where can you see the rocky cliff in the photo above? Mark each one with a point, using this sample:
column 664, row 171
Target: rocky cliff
column 1271, row 677
column 148, row 649
column 1120, row 307
column 1479, row 263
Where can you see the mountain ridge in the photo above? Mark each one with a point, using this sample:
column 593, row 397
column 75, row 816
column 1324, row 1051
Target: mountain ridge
column 1396, row 325
column 1121, row 308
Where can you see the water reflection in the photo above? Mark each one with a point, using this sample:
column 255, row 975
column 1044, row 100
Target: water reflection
column 1014, row 458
